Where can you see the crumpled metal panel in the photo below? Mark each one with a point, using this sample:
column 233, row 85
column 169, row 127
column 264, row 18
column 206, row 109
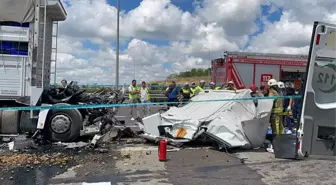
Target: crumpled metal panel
column 236, row 123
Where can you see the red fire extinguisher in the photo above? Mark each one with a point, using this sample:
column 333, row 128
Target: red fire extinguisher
column 162, row 153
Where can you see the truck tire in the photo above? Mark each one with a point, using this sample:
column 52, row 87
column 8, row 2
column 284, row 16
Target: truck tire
column 63, row 125
column 9, row 122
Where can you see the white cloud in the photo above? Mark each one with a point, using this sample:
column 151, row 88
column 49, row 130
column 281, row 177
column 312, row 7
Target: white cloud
column 215, row 26
column 292, row 33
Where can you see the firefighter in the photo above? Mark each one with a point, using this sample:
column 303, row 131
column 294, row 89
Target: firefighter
column 282, row 89
column 277, row 110
column 231, row 86
column 212, row 86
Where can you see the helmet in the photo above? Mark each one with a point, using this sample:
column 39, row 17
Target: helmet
column 281, row 85
column 212, row 83
column 253, row 87
column 272, row 82
column 186, row 83
column 193, row 83
column 231, row 82
column 202, row 81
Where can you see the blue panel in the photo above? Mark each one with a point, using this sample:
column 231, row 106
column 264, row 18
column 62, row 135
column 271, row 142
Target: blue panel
column 17, row 24
column 15, row 52
column 5, row 45
column 14, row 48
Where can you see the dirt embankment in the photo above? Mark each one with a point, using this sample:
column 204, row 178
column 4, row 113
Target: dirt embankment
column 182, row 80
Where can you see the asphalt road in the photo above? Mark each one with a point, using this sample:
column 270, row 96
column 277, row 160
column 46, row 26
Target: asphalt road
column 138, row 164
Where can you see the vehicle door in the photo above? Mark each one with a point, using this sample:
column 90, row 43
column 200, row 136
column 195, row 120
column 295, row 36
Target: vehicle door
column 317, row 128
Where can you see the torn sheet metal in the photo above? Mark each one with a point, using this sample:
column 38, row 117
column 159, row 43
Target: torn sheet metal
column 151, row 124
column 224, row 121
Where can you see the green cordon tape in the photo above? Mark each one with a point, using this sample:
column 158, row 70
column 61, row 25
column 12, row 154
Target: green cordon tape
column 91, row 106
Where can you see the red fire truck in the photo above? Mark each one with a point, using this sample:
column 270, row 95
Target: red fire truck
column 245, row 68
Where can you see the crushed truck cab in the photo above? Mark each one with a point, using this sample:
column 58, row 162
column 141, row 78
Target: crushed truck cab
column 317, row 129
column 28, row 50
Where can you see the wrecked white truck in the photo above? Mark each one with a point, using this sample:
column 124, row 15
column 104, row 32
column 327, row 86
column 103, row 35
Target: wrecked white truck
column 236, row 122
column 28, row 58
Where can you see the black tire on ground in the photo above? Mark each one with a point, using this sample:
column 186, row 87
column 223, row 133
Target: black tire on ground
column 71, row 134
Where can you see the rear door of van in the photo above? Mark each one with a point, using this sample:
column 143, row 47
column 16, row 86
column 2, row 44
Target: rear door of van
column 317, row 128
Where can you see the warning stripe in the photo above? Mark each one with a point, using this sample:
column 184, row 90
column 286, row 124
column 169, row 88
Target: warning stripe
column 236, row 75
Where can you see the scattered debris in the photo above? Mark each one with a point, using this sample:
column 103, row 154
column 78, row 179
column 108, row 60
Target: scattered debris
column 102, row 150
column 33, row 159
column 94, row 140
column 79, row 144
column 21, row 142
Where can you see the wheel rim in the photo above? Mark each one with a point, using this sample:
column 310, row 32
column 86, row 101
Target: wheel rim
column 60, row 124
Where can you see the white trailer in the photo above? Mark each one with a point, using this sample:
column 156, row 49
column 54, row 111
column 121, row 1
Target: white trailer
column 28, row 38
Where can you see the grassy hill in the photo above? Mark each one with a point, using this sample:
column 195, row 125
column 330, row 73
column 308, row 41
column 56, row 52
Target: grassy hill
column 182, row 80
column 193, row 75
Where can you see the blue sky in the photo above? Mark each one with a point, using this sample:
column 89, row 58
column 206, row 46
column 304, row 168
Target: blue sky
column 185, row 5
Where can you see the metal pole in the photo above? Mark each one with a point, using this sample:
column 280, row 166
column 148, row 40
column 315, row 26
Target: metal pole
column 117, row 53
column 134, row 67
column 44, row 40
column 209, row 72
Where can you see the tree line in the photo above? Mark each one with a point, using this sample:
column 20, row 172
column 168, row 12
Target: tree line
column 192, row 73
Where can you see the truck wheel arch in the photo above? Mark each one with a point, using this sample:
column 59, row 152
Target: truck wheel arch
column 76, row 124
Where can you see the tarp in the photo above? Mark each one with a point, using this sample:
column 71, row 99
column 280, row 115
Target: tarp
column 17, row 10
column 236, row 123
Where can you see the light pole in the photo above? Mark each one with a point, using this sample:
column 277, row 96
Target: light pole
column 209, row 71
column 133, row 66
column 117, row 53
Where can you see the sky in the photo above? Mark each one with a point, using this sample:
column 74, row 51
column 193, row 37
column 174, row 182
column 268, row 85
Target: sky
column 161, row 37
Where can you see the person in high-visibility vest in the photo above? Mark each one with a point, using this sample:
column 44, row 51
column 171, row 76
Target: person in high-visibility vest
column 277, row 110
column 133, row 97
column 199, row 88
column 219, row 87
column 193, row 88
column 145, row 98
column 186, row 92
